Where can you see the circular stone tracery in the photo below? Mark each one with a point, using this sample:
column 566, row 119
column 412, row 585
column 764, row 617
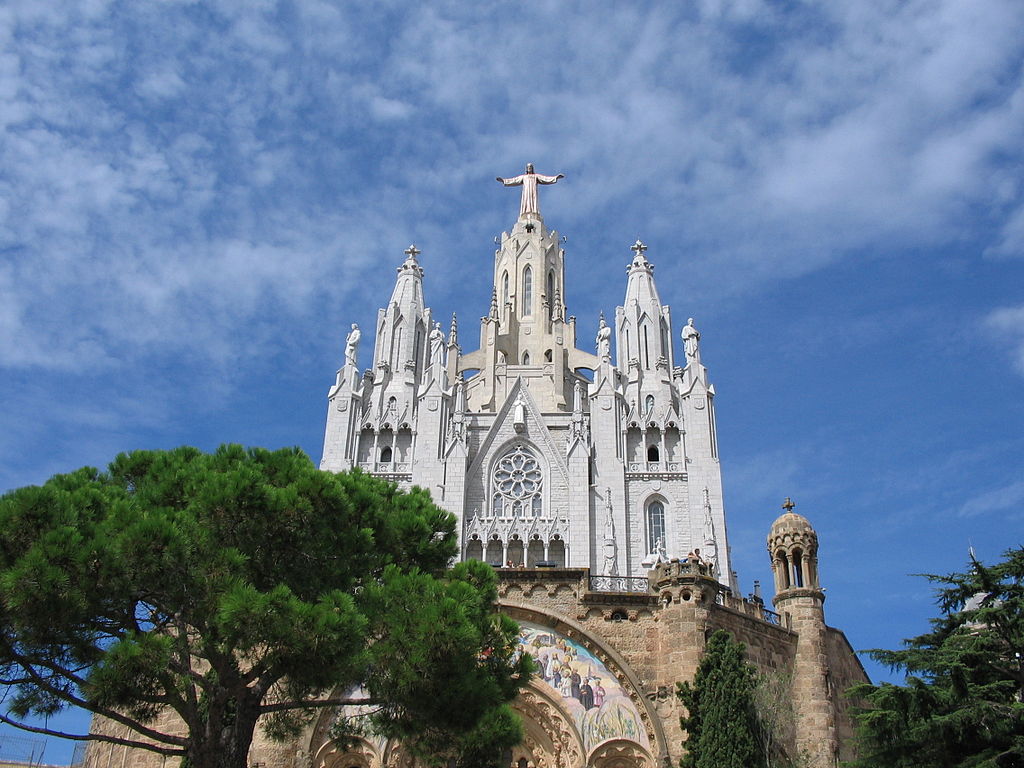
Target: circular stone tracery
column 517, row 475
column 517, row 479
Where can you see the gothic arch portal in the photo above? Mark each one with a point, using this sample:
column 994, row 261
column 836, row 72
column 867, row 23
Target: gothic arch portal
column 564, row 726
column 624, row 732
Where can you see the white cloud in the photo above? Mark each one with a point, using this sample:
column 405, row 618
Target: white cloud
column 171, row 172
column 1008, row 324
column 1008, row 498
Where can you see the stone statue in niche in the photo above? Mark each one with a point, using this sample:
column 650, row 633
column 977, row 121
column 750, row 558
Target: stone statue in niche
column 351, row 345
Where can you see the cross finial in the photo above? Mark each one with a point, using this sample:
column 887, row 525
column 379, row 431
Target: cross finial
column 638, row 247
column 788, row 504
column 412, row 251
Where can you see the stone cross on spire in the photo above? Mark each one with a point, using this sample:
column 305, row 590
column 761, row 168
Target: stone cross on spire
column 529, row 203
column 412, row 252
column 788, row 504
column 638, row 247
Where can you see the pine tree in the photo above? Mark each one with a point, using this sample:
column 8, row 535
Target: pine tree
column 721, row 724
column 245, row 586
column 961, row 704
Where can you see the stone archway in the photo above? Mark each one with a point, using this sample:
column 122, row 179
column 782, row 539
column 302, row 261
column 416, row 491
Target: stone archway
column 550, row 740
column 361, row 754
column 620, row 753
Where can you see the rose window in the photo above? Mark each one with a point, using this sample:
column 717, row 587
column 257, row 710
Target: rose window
column 517, row 484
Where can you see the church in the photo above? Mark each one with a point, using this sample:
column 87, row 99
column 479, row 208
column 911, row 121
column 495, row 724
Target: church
column 582, row 462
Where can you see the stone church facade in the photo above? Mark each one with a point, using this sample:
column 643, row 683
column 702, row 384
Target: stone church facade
column 592, row 481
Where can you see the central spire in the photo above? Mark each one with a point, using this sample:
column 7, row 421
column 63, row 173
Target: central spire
column 529, row 204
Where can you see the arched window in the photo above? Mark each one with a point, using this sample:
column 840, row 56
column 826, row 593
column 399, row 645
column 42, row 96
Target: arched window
column 798, row 568
column 647, row 351
column 392, row 403
column 551, row 288
column 504, row 289
column 385, row 454
column 655, row 525
column 783, row 570
column 649, row 403
column 652, row 453
column 547, row 356
column 527, row 291
column 526, row 358
column 517, row 482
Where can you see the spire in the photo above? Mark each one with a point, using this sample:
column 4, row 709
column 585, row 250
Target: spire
column 409, row 285
column 404, row 324
column 453, row 336
column 643, row 323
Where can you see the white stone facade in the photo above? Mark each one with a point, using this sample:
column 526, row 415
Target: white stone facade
column 545, row 452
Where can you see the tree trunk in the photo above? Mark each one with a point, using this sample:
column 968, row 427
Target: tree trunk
column 224, row 745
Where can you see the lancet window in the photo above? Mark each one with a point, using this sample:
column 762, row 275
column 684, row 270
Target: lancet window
column 527, row 292
column 517, row 484
column 655, row 525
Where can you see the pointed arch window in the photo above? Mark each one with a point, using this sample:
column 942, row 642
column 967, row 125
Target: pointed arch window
column 526, row 358
column 517, row 483
column 655, row 525
column 504, row 288
column 527, row 291
column 551, row 289
column 649, row 404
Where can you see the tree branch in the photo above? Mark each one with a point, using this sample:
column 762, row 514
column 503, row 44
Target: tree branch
column 38, row 680
column 92, row 737
column 281, row 706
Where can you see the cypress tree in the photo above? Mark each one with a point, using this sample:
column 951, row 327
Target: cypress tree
column 721, row 724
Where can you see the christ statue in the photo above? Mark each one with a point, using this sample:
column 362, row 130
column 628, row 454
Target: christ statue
column 529, row 181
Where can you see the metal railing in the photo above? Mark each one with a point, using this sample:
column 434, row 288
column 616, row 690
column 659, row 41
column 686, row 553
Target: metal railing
column 631, row 584
column 771, row 617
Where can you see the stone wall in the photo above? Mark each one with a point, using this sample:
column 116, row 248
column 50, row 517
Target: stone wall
column 648, row 639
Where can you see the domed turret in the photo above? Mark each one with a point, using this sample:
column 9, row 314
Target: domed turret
column 793, row 547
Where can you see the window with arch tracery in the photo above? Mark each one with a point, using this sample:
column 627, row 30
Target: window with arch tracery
column 527, row 291
column 517, row 484
column 655, row 525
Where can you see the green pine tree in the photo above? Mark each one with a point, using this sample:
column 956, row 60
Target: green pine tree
column 248, row 584
column 961, row 703
column 721, row 725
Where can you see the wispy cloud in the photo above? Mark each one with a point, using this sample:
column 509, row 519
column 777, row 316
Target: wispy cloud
column 1007, row 323
column 174, row 170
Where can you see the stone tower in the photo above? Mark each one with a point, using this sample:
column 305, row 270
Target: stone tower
column 799, row 598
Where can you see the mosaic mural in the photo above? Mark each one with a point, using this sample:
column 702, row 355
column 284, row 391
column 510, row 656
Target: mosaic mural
column 595, row 701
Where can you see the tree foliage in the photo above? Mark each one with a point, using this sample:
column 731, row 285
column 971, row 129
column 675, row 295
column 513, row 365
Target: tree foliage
column 721, row 723
column 245, row 584
column 961, row 704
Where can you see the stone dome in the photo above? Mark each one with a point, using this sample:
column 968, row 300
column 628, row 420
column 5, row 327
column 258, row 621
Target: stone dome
column 790, row 522
column 791, row 529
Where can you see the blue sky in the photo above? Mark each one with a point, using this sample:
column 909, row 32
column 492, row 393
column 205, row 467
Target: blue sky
column 196, row 199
